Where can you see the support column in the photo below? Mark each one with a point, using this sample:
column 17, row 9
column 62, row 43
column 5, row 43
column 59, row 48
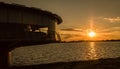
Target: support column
column 51, row 31
column 4, row 58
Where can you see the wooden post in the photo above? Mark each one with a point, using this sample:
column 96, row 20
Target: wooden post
column 4, row 58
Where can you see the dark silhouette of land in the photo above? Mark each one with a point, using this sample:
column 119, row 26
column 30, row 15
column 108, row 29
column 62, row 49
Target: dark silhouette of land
column 90, row 41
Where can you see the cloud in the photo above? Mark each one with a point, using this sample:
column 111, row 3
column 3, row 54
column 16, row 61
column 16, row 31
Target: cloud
column 71, row 29
column 112, row 20
column 69, row 34
column 111, row 29
column 110, row 32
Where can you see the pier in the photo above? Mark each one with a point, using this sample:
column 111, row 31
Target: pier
column 21, row 25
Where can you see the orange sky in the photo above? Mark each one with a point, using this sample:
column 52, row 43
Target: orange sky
column 102, row 16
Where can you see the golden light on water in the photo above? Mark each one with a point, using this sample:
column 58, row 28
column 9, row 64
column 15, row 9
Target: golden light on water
column 92, row 52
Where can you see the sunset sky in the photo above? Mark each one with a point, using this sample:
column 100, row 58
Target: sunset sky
column 82, row 16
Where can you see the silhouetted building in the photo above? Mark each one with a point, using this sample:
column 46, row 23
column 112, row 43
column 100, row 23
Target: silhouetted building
column 18, row 22
column 21, row 24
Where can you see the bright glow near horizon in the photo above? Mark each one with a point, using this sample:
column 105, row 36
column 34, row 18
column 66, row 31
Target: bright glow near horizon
column 91, row 34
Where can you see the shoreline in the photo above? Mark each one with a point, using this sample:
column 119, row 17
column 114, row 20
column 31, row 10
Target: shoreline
column 108, row 63
column 90, row 41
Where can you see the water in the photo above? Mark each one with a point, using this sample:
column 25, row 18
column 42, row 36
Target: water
column 64, row 52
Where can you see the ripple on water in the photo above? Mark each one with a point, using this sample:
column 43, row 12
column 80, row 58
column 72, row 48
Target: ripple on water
column 64, row 52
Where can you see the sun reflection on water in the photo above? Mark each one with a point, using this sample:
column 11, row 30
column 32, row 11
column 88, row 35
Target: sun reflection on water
column 92, row 51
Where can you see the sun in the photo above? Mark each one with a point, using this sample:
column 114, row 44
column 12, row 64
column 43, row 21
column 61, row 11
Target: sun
column 91, row 34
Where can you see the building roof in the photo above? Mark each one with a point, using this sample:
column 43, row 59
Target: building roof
column 37, row 10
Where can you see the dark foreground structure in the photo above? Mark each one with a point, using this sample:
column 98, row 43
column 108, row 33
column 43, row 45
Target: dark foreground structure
column 21, row 25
